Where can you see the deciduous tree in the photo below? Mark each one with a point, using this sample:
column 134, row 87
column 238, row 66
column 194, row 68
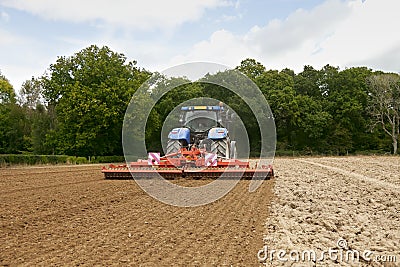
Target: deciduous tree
column 89, row 92
column 385, row 104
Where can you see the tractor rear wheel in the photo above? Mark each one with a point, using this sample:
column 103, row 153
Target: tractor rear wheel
column 173, row 146
column 221, row 148
column 233, row 150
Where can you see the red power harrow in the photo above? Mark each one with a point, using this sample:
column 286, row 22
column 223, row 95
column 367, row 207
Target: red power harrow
column 194, row 163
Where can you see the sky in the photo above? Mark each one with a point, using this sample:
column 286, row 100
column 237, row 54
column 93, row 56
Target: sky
column 162, row 34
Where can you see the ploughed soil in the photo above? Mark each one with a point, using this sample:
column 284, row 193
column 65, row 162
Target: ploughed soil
column 71, row 215
column 342, row 205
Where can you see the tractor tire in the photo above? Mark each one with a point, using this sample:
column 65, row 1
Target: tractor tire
column 173, row 146
column 233, row 150
column 221, row 148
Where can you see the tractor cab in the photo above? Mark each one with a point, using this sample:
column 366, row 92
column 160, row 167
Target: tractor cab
column 203, row 127
column 201, row 118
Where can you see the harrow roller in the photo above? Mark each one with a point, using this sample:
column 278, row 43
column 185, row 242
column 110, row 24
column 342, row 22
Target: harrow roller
column 191, row 164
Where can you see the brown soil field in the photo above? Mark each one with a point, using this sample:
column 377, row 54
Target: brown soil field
column 320, row 201
column 71, row 215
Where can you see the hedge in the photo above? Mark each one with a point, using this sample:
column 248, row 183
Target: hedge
column 12, row 159
column 107, row 159
column 29, row 159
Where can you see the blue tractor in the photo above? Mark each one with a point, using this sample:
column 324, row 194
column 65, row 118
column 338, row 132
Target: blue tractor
column 203, row 127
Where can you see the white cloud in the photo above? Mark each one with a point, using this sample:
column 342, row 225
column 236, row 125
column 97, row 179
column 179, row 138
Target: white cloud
column 228, row 18
column 27, row 56
column 369, row 33
column 222, row 47
column 23, row 57
column 7, row 38
column 300, row 27
column 136, row 14
column 340, row 33
column 4, row 16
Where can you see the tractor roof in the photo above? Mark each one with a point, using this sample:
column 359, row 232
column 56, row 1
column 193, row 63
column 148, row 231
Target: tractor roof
column 202, row 108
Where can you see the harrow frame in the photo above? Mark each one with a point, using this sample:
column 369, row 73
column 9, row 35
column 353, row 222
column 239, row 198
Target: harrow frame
column 188, row 164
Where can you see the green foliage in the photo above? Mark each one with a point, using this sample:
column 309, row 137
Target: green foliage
column 78, row 108
column 14, row 127
column 90, row 92
column 30, row 159
column 81, row 160
column 251, row 68
column 7, row 94
column 31, row 93
column 215, row 86
column 107, row 159
column 27, row 159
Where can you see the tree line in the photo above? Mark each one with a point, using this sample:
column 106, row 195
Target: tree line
column 77, row 107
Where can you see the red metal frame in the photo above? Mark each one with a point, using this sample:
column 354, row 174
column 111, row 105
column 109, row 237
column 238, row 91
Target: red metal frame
column 189, row 163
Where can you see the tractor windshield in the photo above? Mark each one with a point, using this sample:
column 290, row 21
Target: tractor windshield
column 201, row 120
